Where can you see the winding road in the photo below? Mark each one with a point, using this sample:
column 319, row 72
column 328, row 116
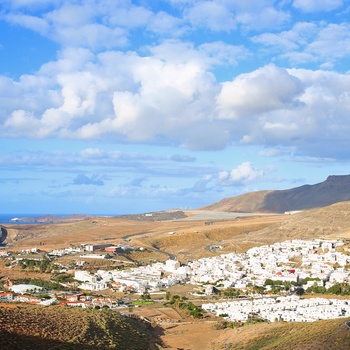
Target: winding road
column 127, row 238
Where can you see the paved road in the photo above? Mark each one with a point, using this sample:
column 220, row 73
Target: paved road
column 127, row 238
column 212, row 215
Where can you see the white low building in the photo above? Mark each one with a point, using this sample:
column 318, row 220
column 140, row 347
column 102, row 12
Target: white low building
column 288, row 309
column 25, row 288
column 93, row 286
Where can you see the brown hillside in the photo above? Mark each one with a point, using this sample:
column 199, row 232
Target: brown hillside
column 328, row 222
column 245, row 203
column 335, row 189
column 56, row 327
column 321, row 335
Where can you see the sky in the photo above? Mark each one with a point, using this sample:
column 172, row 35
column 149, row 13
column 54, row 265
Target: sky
column 118, row 106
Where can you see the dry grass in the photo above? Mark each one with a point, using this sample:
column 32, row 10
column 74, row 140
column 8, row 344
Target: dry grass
column 321, row 335
column 188, row 233
column 191, row 236
column 54, row 327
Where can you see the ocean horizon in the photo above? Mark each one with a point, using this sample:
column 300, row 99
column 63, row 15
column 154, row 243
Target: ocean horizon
column 8, row 218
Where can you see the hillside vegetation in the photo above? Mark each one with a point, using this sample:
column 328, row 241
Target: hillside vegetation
column 42, row 328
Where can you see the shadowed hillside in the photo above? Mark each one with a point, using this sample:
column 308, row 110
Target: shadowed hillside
column 334, row 189
column 55, row 327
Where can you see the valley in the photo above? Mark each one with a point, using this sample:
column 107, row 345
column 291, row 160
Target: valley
column 194, row 235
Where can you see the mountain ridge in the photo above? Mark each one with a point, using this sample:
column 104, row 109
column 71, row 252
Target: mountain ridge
column 336, row 188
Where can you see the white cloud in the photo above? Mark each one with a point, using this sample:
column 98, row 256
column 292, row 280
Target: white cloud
column 30, row 3
column 211, row 15
column 164, row 24
column 23, row 122
column 276, row 151
column 228, row 15
column 167, row 93
column 31, row 22
column 243, row 174
column 93, row 153
column 293, row 39
column 263, row 90
column 125, row 97
column 310, row 42
column 221, row 53
column 263, row 19
column 317, row 6
column 332, row 42
column 319, row 125
column 127, row 15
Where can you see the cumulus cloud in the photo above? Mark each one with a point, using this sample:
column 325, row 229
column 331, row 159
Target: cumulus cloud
column 309, row 42
column 210, row 14
column 166, row 93
column 289, row 41
column 332, row 42
column 267, row 16
column 147, row 99
column 243, row 174
column 317, row 6
column 31, row 4
column 266, row 89
column 228, row 16
column 222, row 53
column 163, row 24
column 31, row 22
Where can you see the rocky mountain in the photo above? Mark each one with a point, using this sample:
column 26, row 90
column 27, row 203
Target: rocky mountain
column 336, row 188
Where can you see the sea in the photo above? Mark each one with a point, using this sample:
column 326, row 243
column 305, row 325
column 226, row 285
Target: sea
column 8, row 218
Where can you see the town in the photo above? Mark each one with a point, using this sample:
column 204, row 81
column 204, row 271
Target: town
column 268, row 282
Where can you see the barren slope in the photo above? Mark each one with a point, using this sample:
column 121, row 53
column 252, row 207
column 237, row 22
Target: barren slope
column 334, row 189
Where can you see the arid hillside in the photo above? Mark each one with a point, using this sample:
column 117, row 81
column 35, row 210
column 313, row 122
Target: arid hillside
column 335, row 189
column 329, row 222
column 195, row 235
column 55, row 327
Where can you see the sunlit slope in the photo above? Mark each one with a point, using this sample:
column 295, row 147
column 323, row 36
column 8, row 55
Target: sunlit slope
column 334, row 189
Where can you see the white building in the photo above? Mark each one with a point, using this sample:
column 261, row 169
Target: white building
column 25, row 288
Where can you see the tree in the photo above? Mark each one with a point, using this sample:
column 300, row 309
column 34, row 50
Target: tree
column 44, row 264
column 300, row 291
column 145, row 296
column 336, row 289
column 269, row 282
column 196, row 312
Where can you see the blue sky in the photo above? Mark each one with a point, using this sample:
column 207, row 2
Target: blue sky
column 119, row 106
